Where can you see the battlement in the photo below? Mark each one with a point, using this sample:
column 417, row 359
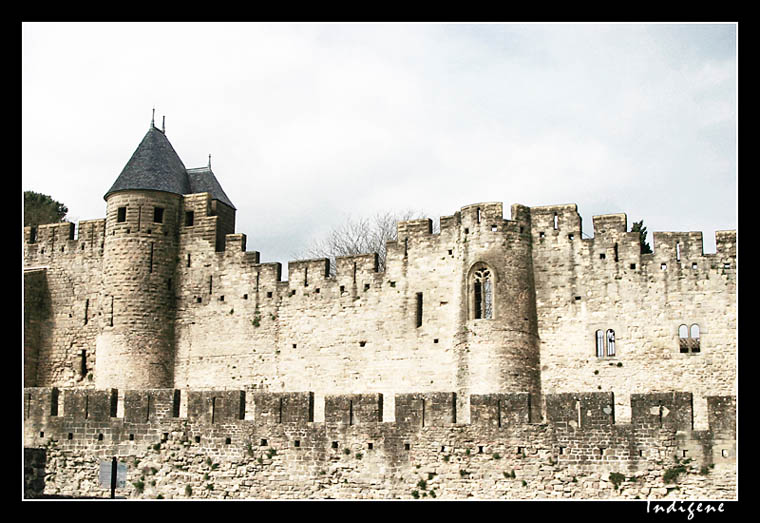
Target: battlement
column 66, row 238
column 156, row 325
column 578, row 411
column 610, row 224
column 547, row 220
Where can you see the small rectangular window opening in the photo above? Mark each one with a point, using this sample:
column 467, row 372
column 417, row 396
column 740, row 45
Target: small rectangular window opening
column 121, row 214
column 158, row 215
column 189, row 218
column 54, row 396
column 419, row 309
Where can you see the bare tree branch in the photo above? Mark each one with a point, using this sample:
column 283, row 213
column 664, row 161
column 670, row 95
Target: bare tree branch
column 361, row 236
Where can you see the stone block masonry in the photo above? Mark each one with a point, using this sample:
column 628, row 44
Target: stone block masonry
column 497, row 357
column 216, row 452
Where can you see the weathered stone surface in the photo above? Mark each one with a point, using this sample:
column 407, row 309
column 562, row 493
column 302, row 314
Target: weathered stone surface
column 160, row 329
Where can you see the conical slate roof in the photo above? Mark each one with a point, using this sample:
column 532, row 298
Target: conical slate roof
column 153, row 166
column 156, row 166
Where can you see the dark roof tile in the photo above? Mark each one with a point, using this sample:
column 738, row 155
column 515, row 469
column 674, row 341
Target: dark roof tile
column 156, row 166
column 202, row 179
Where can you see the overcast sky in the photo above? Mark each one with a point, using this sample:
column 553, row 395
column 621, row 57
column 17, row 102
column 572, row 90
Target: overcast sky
column 309, row 124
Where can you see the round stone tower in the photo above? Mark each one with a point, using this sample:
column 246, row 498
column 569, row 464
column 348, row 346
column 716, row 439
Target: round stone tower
column 135, row 348
column 498, row 344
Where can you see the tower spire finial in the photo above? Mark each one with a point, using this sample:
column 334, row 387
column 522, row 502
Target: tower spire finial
column 163, row 124
column 153, row 118
column 209, row 160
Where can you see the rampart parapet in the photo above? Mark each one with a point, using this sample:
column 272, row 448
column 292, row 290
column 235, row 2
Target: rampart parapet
column 413, row 411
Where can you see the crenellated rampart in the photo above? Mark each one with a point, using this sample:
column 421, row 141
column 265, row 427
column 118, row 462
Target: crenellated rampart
column 447, row 367
column 170, row 435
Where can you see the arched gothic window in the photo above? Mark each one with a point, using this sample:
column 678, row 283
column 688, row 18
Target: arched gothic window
column 482, row 288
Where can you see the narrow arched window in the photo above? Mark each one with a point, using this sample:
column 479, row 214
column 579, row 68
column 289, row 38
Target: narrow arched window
column 610, row 342
column 482, row 287
column 600, row 343
column 688, row 338
column 694, row 335
column 683, row 338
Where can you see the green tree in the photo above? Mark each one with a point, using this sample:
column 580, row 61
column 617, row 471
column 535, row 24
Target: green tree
column 41, row 208
column 642, row 230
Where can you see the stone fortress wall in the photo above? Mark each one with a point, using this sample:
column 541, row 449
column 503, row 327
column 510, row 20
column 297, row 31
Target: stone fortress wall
column 229, row 444
column 357, row 332
column 163, row 295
